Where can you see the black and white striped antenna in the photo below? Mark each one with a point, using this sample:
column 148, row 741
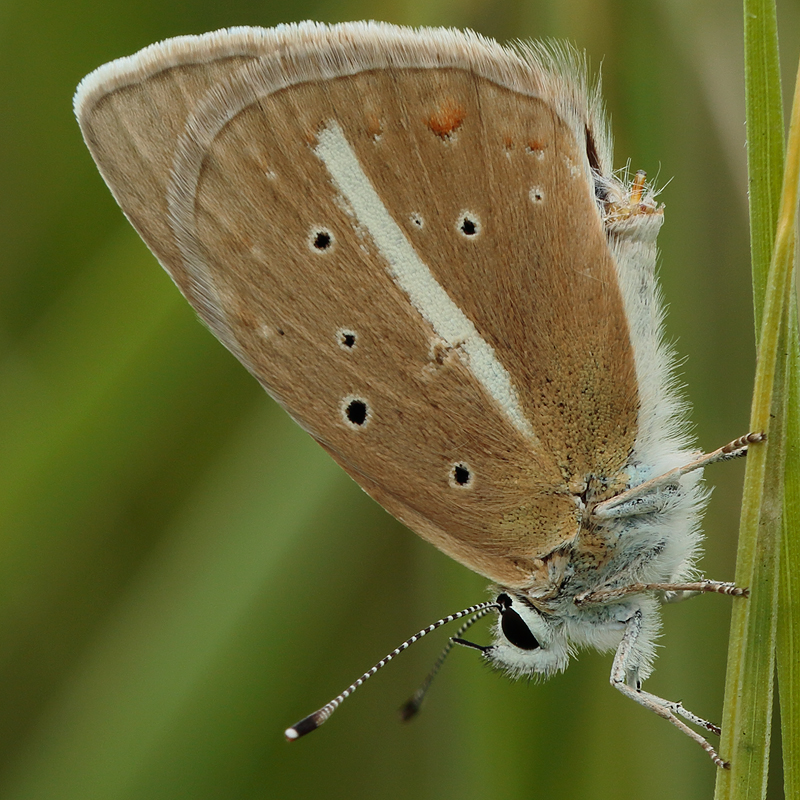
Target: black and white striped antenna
column 313, row 721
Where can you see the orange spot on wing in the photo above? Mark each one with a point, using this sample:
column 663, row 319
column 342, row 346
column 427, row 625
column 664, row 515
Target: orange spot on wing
column 447, row 120
column 534, row 145
column 374, row 128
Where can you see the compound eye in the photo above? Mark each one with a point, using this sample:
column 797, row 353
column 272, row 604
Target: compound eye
column 516, row 631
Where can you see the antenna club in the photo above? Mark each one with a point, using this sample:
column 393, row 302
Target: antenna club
column 410, row 709
column 306, row 725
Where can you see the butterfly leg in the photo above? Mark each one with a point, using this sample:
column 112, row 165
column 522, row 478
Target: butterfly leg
column 634, row 501
column 673, row 592
column 625, row 678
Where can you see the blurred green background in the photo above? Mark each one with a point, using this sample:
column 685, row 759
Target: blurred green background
column 183, row 572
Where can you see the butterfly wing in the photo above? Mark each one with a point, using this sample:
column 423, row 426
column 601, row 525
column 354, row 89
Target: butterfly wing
column 396, row 232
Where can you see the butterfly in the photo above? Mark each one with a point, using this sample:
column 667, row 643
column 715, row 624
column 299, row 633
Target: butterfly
column 415, row 241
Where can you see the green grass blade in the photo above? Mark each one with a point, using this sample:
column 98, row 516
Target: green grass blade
column 765, row 139
column 749, row 684
column 788, row 643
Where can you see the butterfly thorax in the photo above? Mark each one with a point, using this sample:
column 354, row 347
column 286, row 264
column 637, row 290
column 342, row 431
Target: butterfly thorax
column 585, row 560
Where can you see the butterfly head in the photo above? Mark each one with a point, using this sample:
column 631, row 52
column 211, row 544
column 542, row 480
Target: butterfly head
column 526, row 640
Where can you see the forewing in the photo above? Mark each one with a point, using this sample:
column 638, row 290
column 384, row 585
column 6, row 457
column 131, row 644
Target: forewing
column 402, row 245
